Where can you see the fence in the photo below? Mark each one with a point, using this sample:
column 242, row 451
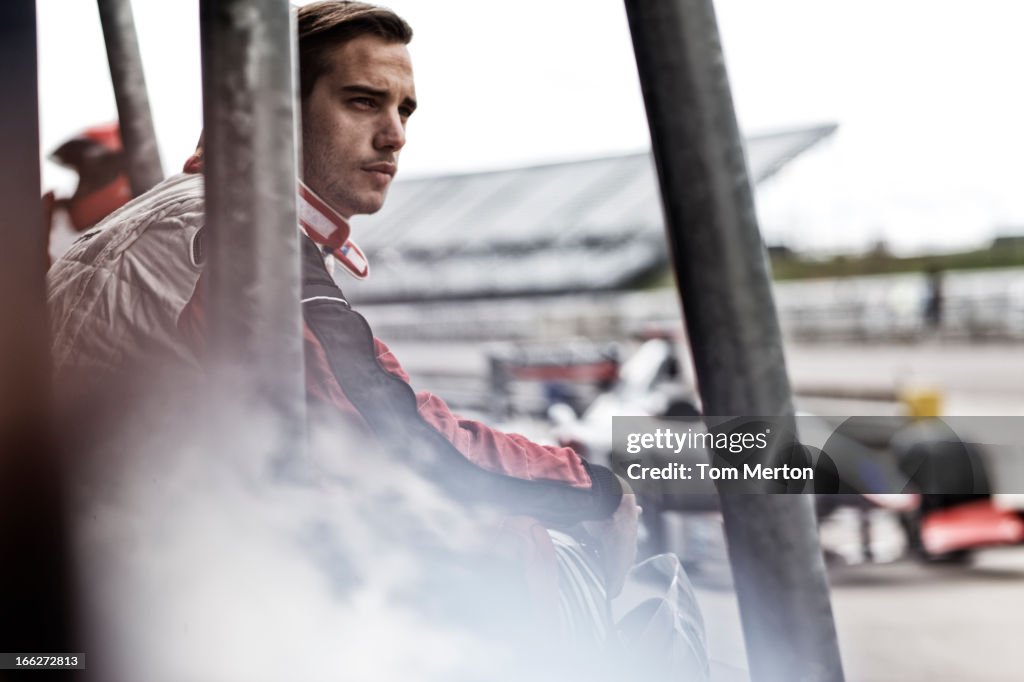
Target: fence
column 981, row 305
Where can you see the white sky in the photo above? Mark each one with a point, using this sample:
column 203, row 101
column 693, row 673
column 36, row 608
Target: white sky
column 926, row 158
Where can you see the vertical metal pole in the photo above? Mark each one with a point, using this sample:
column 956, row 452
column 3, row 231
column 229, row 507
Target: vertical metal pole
column 137, row 134
column 35, row 605
column 251, row 227
column 732, row 325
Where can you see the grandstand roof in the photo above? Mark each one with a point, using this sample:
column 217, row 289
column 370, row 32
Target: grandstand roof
column 587, row 225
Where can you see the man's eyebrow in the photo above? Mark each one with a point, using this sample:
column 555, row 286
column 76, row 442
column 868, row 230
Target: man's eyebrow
column 355, row 88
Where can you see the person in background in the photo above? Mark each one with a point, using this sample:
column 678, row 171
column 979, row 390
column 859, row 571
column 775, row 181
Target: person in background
column 97, row 156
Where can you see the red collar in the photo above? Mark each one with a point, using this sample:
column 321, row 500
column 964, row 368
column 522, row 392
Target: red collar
column 329, row 229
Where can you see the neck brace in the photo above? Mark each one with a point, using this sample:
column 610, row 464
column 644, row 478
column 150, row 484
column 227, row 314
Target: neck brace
column 331, row 231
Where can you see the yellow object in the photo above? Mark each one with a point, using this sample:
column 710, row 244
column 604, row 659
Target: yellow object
column 922, row 403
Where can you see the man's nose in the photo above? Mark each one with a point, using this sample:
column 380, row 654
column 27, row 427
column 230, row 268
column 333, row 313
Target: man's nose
column 391, row 135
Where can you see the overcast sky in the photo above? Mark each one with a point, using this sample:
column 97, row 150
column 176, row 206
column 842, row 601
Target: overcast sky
column 927, row 156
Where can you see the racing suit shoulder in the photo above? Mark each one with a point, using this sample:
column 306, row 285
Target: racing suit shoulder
column 118, row 290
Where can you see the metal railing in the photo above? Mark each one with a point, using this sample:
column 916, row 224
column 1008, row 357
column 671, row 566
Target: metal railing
column 250, row 157
column 722, row 277
column 136, row 121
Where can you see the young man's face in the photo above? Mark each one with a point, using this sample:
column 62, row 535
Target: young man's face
column 353, row 123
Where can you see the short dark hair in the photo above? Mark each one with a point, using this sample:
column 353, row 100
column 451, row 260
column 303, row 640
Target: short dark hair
column 324, row 25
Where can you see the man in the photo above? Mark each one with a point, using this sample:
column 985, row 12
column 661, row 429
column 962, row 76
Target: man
column 130, row 293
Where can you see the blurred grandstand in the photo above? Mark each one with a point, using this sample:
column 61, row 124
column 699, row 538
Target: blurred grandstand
column 581, row 226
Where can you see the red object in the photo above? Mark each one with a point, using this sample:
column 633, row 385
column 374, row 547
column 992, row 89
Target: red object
column 89, row 209
column 106, row 134
column 976, row 524
column 97, row 155
column 331, row 230
column 607, row 370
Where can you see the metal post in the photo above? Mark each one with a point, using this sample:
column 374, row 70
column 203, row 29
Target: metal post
column 732, row 325
column 137, row 134
column 35, row 605
column 252, row 232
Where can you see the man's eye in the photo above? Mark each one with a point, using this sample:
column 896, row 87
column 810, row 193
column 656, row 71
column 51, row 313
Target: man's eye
column 406, row 112
column 363, row 102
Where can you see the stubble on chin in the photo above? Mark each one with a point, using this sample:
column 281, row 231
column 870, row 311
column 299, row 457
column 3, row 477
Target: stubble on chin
column 350, row 204
column 371, row 206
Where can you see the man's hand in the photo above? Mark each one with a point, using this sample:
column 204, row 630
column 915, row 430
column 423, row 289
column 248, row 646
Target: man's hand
column 618, row 541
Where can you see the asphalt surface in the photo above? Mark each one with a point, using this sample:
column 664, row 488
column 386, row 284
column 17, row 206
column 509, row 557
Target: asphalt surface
column 904, row 621
column 978, row 379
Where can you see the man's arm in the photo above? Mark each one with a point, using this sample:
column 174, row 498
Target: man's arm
column 507, row 453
